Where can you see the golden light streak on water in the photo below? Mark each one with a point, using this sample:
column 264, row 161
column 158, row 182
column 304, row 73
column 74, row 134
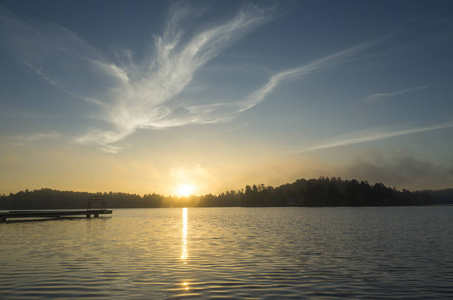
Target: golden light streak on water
column 184, row 235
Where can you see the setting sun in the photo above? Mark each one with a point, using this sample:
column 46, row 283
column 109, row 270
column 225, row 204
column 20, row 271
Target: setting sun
column 185, row 190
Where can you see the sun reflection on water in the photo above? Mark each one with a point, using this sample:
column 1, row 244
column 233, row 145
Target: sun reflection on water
column 184, row 253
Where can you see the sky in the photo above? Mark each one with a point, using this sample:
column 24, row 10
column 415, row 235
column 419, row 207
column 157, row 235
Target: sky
column 209, row 96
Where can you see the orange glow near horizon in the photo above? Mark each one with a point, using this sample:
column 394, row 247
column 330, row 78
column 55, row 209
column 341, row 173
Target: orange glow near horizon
column 185, row 190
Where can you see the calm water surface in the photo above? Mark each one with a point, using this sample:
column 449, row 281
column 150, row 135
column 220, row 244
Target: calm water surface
column 255, row 253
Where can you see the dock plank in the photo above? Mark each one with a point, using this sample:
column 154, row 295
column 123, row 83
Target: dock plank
column 51, row 214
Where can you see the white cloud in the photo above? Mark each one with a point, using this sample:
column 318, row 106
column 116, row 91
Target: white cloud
column 378, row 97
column 20, row 140
column 130, row 96
column 38, row 137
column 305, row 70
column 150, row 100
column 369, row 135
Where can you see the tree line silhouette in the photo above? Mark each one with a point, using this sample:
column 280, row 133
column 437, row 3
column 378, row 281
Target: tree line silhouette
column 323, row 191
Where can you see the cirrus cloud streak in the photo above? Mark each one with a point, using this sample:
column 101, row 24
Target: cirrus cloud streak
column 129, row 96
column 370, row 135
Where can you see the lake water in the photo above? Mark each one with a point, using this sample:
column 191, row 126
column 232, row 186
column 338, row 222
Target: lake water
column 249, row 253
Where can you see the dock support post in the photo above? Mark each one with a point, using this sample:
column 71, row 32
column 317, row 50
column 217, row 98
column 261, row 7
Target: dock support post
column 96, row 215
column 3, row 220
column 88, row 216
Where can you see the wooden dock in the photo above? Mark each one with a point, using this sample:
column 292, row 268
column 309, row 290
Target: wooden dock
column 52, row 214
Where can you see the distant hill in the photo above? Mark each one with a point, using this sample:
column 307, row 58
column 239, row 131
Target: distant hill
column 323, row 191
column 441, row 196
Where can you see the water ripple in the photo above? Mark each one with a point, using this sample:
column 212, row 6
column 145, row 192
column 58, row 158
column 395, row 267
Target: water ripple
column 262, row 253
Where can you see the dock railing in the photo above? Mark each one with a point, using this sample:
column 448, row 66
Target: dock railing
column 96, row 206
column 97, row 203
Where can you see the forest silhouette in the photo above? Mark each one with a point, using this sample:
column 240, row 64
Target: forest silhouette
column 319, row 192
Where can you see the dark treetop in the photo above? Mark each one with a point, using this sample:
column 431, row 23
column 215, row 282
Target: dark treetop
column 323, row 191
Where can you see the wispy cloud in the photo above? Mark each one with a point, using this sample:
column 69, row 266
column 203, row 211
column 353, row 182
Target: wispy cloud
column 59, row 56
column 22, row 139
column 130, row 96
column 56, row 84
column 224, row 111
column 369, row 135
column 382, row 96
column 308, row 69
column 151, row 100
column 38, row 136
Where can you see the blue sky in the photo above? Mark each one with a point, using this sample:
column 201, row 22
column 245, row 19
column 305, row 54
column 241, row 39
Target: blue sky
column 146, row 96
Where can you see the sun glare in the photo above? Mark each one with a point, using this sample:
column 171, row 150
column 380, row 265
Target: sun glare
column 185, row 190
